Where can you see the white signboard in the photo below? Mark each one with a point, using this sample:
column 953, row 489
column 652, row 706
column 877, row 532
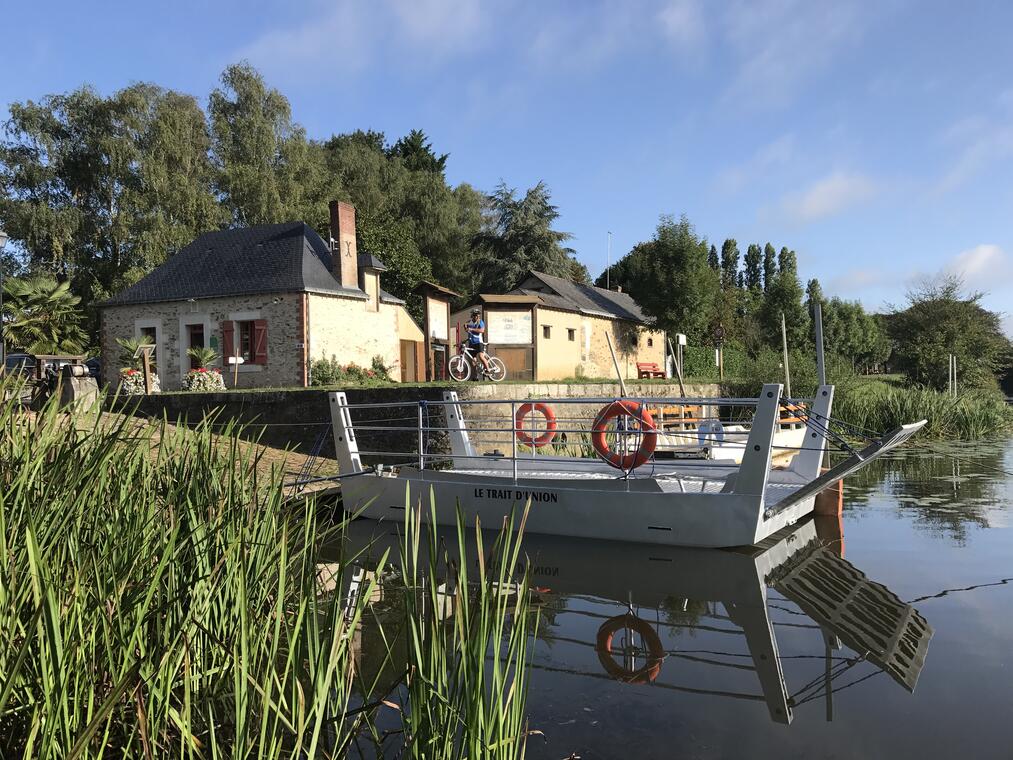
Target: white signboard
column 508, row 327
column 439, row 318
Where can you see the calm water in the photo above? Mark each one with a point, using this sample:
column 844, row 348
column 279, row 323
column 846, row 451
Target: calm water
column 899, row 648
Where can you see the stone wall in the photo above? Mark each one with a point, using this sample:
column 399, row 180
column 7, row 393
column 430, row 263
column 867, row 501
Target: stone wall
column 283, row 313
column 295, row 419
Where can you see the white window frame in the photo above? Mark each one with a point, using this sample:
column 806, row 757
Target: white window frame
column 160, row 361
column 244, row 316
column 183, row 361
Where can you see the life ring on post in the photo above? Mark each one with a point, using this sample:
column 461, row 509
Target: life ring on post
column 649, row 671
column 648, row 434
column 550, row 424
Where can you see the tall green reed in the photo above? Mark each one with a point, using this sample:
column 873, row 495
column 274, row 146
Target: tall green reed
column 159, row 599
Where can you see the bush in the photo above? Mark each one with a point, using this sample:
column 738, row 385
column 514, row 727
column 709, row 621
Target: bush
column 203, row 380
column 324, row 372
column 132, row 382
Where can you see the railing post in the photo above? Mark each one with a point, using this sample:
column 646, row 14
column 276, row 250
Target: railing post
column 513, row 437
column 755, row 468
column 422, row 458
column 345, row 446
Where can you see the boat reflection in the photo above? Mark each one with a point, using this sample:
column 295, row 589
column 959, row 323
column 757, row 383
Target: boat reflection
column 644, row 598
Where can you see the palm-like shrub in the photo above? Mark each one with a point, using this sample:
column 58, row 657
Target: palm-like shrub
column 42, row 316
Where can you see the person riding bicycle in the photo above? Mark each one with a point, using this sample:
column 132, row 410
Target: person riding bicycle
column 476, row 342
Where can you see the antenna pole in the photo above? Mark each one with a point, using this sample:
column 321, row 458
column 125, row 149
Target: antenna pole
column 608, row 264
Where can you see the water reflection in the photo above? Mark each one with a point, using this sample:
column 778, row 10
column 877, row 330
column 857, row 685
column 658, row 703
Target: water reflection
column 698, row 622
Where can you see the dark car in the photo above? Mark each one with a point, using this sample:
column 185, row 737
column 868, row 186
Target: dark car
column 94, row 365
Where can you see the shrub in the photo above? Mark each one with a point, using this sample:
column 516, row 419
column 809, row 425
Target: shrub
column 203, row 380
column 132, row 382
column 326, row 372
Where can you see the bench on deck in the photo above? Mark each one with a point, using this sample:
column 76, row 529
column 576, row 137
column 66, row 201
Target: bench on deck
column 648, row 370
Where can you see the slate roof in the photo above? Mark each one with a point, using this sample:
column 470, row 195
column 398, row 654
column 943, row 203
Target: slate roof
column 269, row 258
column 555, row 292
column 369, row 261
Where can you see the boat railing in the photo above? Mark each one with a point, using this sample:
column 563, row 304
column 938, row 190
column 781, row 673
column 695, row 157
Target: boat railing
column 418, row 432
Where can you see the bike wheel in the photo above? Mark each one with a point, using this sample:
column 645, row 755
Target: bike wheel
column 459, row 368
column 497, row 370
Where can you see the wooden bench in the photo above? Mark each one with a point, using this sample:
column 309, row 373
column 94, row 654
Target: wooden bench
column 649, row 369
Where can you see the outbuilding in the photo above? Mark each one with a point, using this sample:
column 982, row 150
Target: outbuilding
column 550, row 328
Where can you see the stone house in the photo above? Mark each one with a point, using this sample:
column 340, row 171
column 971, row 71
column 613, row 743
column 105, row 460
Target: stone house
column 276, row 295
column 549, row 328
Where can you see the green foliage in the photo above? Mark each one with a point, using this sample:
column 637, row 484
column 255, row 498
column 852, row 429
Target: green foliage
column 128, row 351
column 518, row 237
column 330, row 372
column 784, row 296
column 754, row 268
column 163, row 598
column 42, row 316
column 203, row 356
column 769, row 266
column 941, row 320
column 670, row 278
column 417, row 154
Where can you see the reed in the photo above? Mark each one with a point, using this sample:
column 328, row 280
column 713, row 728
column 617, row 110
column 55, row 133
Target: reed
column 879, row 407
column 159, row 599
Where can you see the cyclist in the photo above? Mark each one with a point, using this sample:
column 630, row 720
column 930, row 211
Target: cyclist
column 476, row 332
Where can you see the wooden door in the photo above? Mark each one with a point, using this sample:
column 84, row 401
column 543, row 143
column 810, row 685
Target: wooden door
column 409, row 361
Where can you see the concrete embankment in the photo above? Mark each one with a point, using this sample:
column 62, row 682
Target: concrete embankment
column 300, row 419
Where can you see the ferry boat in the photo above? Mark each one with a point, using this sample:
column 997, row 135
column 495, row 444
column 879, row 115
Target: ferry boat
column 615, row 489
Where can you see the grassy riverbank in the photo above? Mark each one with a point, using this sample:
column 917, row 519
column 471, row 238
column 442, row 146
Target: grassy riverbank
column 159, row 598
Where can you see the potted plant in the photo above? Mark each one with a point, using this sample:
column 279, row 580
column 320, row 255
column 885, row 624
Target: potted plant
column 203, row 378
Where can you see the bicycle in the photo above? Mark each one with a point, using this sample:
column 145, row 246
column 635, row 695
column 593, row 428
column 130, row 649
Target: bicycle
column 466, row 362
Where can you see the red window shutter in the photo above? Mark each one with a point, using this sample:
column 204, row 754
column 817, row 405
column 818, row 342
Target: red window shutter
column 260, row 341
column 228, row 340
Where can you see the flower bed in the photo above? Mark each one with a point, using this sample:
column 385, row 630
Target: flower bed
column 204, row 380
column 132, row 382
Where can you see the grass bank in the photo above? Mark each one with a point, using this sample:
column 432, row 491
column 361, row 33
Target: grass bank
column 160, row 598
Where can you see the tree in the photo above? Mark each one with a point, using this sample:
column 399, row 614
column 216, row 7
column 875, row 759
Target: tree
column 940, row 320
column 712, row 259
column 729, row 264
column 813, row 296
column 754, row 268
column 41, row 316
column 417, row 154
column 670, row 278
column 784, row 296
column 518, row 237
column 769, row 266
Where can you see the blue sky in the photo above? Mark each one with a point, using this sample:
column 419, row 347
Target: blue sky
column 875, row 138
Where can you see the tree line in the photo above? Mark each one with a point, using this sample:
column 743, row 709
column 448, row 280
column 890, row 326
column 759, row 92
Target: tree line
column 98, row 190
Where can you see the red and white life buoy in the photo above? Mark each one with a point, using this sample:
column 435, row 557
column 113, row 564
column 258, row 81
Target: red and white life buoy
column 648, row 434
column 550, row 424
column 655, row 651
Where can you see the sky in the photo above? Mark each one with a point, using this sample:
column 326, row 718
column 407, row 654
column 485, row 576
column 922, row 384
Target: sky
column 874, row 138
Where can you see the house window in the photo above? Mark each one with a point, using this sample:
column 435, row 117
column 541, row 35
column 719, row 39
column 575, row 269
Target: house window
column 571, row 334
column 546, row 331
column 650, row 341
column 195, row 339
column 245, row 335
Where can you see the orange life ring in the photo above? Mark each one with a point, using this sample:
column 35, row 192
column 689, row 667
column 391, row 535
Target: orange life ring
column 550, row 424
column 648, row 434
column 655, row 651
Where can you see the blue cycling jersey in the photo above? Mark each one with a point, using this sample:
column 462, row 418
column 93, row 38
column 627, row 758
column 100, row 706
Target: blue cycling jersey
column 475, row 339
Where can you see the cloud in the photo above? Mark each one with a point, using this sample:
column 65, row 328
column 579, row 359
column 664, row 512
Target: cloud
column 783, row 44
column 828, row 196
column 984, row 266
column 776, row 153
column 344, row 35
column 983, row 144
column 682, row 22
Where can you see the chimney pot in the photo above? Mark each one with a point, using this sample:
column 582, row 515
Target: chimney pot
column 344, row 254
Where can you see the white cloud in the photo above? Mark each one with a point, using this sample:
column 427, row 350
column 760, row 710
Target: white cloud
column 828, row 196
column 982, row 267
column 683, row 23
column 344, row 35
column 772, row 155
column 983, row 144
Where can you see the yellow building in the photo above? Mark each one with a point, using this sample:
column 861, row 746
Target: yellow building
column 548, row 328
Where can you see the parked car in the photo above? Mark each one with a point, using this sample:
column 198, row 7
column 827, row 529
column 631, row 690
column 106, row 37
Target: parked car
column 94, row 365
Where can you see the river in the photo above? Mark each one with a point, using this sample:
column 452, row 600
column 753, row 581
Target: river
column 889, row 634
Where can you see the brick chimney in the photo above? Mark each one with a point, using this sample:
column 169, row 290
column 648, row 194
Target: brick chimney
column 344, row 256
